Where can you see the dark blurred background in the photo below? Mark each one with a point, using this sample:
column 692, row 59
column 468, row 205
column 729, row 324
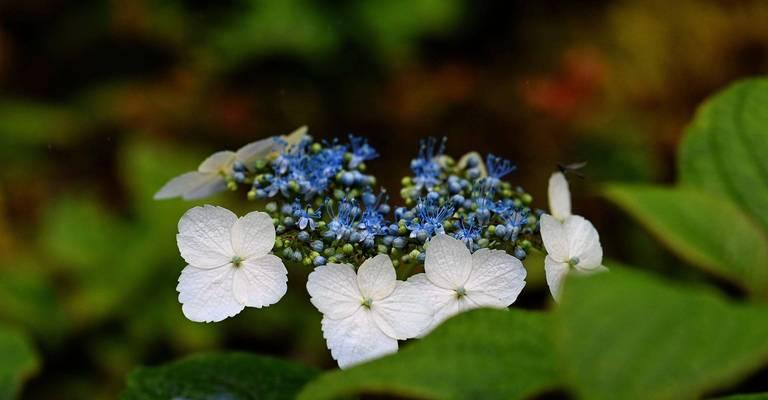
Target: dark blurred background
column 102, row 101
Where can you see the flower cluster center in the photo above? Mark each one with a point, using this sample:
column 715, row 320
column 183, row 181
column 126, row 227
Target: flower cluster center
column 367, row 302
column 237, row 261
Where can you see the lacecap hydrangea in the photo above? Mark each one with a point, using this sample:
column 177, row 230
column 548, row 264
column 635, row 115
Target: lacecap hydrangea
column 460, row 221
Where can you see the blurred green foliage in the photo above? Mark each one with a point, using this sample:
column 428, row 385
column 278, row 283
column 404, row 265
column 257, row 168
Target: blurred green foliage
column 102, row 102
column 18, row 362
column 232, row 376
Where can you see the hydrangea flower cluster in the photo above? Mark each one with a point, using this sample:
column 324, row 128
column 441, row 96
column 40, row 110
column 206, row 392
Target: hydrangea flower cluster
column 461, row 222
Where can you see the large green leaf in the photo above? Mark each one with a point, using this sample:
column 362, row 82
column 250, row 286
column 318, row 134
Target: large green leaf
column 483, row 354
column 626, row 335
column 233, row 376
column 725, row 147
column 706, row 230
column 18, row 361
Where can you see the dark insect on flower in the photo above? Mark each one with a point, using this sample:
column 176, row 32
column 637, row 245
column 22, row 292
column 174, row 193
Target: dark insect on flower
column 572, row 168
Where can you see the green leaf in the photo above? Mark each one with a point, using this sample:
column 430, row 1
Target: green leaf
column 627, row 335
column 483, row 354
column 705, row 230
column 232, row 376
column 725, row 147
column 17, row 363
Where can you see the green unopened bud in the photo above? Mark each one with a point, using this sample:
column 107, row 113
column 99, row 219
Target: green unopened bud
column 232, row 185
column 294, row 186
column 252, row 194
column 483, row 242
column 492, row 229
column 381, row 249
column 526, row 198
column 306, row 261
column 329, row 251
column 406, row 181
column 278, row 243
column 347, row 249
column 316, row 147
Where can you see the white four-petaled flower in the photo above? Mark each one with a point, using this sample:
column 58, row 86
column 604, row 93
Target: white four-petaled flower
column 230, row 267
column 571, row 241
column 456, row 280
column 209, row 178
column 365, row 314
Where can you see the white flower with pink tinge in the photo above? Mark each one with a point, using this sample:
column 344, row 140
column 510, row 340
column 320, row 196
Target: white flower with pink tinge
column 230, row 267
column 209, row 178
column 456, row 280
column 366, row 313
column 572, row 242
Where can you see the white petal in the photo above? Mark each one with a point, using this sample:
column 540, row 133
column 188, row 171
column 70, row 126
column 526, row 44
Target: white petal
column 252, row 152
column 220, row 161
column 559, row 196
column 376, row 277
column 556, row 272
column 554, row 237
column 444, row 302
column 206, row 294
column 296, row 136
column 448, row 262
column 204, row 236
column 253, row 235
column 496, row 280
column 261, row 281
column 185, row 184
column 215, row 184
column 333, row 290
column 356, row 339
column 583, row 242
column 404, row 314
